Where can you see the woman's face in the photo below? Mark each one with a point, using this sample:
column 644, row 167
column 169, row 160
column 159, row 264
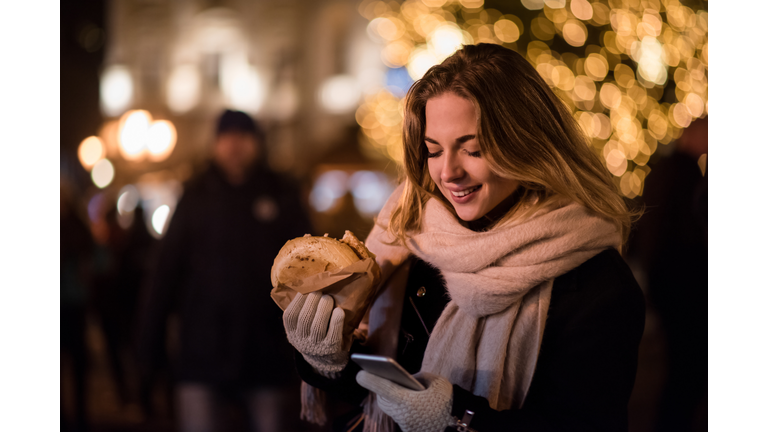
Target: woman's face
column 455, row 163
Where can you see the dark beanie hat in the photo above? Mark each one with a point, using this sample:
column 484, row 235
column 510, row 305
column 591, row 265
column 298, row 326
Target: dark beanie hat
column 237, row 121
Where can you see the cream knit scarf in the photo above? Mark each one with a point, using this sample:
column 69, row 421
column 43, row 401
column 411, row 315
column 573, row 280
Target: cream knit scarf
column 488, row 337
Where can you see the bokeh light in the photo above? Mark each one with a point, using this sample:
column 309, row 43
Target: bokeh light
column 596, row 67
column 616, row 161
column 328, row 188
column 420, row 61
column 619, row 60
column 446, row 40
column 649, row 56
column 133, row 133
column 90, row 151
column 184, row 86
column 506, row 30
column 554, row 4
column 140, row 137
column 575, row 33
column 472, row 4
column 160, row 217
column 370, row 190
column 115, row 90
column 127, row 199
column 154, row 194
column 161, row 139
column 103, row 173
column 533, row 4
column 242, row 84
column 340, row 94
column 581, row 9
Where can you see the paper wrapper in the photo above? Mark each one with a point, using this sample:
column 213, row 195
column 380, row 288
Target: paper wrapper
column 352, row 289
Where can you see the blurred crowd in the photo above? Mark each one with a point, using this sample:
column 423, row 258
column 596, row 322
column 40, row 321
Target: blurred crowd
column 187, row 317
column 189, row 339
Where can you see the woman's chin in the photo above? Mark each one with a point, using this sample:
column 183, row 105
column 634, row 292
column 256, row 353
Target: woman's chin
column 467, row 215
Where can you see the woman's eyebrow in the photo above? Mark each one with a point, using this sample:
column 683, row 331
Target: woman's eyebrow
column 460, row 140
column 465, row 138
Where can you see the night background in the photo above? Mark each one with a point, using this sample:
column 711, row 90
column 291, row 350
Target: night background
column 143, row 82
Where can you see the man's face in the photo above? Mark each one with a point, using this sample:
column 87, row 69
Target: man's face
column 235, row 153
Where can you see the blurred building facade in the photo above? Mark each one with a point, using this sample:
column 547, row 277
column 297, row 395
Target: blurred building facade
column 186, row 60
column 301, row 67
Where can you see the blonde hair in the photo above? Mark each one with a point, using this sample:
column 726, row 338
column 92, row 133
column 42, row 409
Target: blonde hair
column 526, row 133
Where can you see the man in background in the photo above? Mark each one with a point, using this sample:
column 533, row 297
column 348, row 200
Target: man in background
column 213, row 272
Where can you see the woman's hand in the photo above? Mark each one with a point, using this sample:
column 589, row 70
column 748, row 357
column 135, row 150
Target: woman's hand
column 314, row 328
column 414, row 411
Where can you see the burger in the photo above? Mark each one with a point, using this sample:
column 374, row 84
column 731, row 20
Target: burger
column 306, row 256
column 351, row 286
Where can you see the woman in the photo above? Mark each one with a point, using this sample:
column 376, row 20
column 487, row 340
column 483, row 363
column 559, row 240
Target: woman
column 505, row 207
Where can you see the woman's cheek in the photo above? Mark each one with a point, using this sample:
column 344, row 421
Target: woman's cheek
column 434, row 172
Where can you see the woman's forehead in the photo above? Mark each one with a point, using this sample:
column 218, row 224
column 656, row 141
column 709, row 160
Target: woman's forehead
column 450, row 111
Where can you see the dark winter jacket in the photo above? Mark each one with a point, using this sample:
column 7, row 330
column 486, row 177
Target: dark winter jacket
column 586, row 367
column 213, row 271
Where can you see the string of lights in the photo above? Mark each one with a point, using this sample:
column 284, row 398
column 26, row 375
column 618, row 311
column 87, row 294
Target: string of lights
column 633, row 72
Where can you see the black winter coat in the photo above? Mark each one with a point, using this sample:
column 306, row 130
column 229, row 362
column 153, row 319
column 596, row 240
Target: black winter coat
column 586, row 367
column 213, row 270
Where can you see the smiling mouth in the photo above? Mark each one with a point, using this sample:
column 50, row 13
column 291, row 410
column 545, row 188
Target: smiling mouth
column 465, row 192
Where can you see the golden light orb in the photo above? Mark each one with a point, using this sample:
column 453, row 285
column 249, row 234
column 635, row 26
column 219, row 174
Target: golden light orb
column 671, row 55
column 90, row 151
column 133, row 132
column 596, row 67
column 639, row 95
column 610, row 43
column 575, row 33
column 616, row 162
column 652, row 23
column 533, row 4
column 161, row 140
column 624, row 76
column 581, row 9
column 506, row 30
column 695, row 104
column 657, row 124
column 584, row 88
column 472, row 4
column 554, row 4
column 601, row 124
column 610, row 95
column 630, row 184
column 680, row 115
column 395, row 54
column 563, row 78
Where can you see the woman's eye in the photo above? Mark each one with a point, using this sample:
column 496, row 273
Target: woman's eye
column 435, row 154
column 474, row 154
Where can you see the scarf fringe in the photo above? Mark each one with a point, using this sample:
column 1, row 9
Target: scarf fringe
column 313, row 404
column 375, row 419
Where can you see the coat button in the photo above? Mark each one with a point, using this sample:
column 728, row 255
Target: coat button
column 421, row 292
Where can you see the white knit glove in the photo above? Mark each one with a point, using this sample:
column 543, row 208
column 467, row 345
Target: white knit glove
column 414, row 411
column 306, row 322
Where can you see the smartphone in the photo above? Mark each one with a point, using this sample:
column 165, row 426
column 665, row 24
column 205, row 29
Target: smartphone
column 387, row 368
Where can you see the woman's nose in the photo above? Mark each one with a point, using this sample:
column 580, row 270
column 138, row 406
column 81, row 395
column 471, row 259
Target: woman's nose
column 452, row 169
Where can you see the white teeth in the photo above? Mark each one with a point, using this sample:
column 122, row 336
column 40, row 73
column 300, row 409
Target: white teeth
column 465, row 192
